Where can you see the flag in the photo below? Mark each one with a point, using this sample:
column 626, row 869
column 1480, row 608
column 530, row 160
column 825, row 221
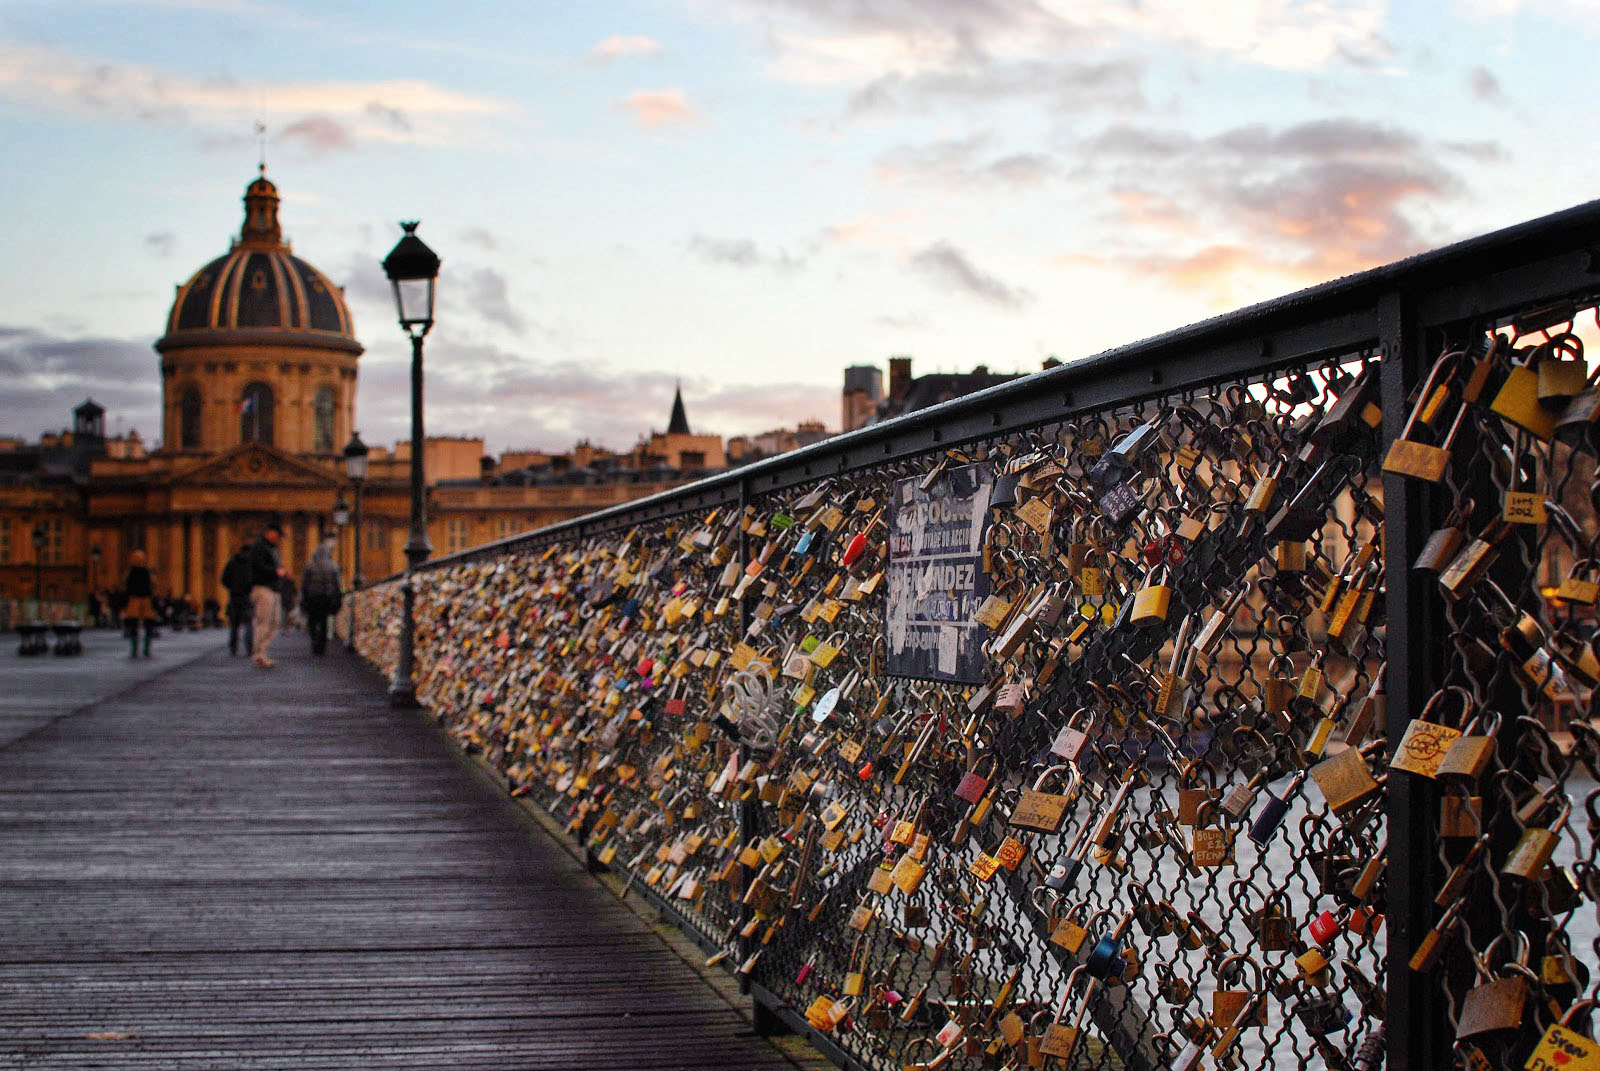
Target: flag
column 248, row 404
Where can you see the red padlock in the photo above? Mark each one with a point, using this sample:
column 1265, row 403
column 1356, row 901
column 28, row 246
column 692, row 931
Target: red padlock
column 973, row 784
column 806, row 970
column 854, row 549
column 645, row 666
column 1324, row 928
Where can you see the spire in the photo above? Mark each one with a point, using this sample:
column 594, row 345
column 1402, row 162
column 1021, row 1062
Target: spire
column 679, row 424
column 261, row 213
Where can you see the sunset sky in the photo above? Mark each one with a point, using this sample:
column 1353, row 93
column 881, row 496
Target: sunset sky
column 749, row 195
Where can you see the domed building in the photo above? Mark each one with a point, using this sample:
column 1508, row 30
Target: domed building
column 258, row 364
column 259, row 348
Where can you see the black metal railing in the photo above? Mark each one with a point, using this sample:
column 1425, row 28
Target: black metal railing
column 1234, row 778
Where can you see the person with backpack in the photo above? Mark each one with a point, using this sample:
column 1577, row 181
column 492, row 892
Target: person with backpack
column 266, row 571
column 321, row 592
column 236, row 578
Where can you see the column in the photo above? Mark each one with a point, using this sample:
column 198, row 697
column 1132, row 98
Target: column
column 171, row 583
column 194, row 547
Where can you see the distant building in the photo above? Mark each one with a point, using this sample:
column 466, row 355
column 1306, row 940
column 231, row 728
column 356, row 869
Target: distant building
column 258, row 368
column 864, row 404
column 743, row 449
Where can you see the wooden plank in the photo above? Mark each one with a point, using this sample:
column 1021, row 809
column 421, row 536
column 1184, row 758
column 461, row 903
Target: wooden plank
column 214, row 866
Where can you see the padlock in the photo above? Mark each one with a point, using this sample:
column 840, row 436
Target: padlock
column 1420, row 461
column 1518, row 402
column 1563, row 1047
column 1562, row 371
column 1151, row 603
column 1042, row 811
column 1497, row 1003
column 1105, row 956
column 1470, row 754
column 1061, row 1038
column 1536, row 847
column 973, row 784
column 1273, row 811
column 1444, row 543
column 1581, row 584
column 1273, row 928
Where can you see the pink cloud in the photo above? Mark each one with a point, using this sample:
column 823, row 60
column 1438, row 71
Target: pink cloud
column 659, row 107
column 618, row 45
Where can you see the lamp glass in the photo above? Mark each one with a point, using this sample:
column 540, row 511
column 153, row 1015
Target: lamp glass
column 341, row 513
column 414, row 299
column 355, row 459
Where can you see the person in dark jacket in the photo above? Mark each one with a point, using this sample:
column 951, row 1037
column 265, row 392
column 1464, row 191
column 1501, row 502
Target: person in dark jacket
column 265, row 572
column 320, row 594
column 140, row 610
column 236, row 578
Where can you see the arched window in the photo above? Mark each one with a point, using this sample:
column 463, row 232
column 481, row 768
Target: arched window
column 255, row 414
column 189, row 418
column 322, row 438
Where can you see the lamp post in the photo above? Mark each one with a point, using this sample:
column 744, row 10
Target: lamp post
column 355, row 467
column 94, row 577
column 413, row 269
column 38, row 571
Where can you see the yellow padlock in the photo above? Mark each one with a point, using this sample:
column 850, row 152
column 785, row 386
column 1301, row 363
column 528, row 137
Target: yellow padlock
column 1153, row 600
column 1518, row 402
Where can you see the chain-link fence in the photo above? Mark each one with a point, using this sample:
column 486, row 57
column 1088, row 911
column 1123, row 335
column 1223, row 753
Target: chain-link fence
column 1221, row 701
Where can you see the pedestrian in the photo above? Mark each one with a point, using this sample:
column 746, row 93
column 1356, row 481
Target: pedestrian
column 236, row 578
column 320, row 593
column 140, row 610
column 288, row 592
column 265, row 573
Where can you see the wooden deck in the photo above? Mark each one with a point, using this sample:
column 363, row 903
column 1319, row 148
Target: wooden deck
column 225, row 868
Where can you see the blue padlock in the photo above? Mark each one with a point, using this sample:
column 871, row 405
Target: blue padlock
column 1105, row 958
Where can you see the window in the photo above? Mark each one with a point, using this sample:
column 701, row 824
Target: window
column 189, row 418
column 456, row 533
column 5, row 540
column 55, row 540
column 377, row 537
column 255, row 414
column 507, row 527
column 322, row 441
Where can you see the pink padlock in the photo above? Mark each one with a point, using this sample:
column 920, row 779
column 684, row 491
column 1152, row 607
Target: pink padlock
column 806, row 971
column 854, row 549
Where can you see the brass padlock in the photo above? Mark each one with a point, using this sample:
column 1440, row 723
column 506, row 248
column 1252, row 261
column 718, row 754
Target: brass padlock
column 1421, row 461
column 1536, row 847
column 1562, row 371
column 1151, row 603
column 1518, row 402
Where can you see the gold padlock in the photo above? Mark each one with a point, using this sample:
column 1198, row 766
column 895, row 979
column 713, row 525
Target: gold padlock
column 1563, row 373
column 1518, row 402
column 1152, row 601
column 1421, row 461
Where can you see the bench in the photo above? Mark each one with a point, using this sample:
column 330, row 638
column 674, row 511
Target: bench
column 34, row 641
column 69, row 638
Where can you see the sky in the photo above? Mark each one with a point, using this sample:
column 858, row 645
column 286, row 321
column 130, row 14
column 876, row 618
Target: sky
column 748, row 196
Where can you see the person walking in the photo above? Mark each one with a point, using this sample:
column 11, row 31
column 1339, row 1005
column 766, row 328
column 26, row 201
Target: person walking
column 265, row 572
column 320, row 593
column 236, row 578
column 140, row 610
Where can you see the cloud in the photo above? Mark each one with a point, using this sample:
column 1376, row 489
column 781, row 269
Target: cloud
column 948, row 266
column 961, row 163
column 319, row 135
column 1066, row 86
column 480, row 237
column 517, row 400
column 1484, row 86
column 485, row 292
column 162, row 243
column 743, row 253
column 1239, row 214
column 46, row 375
column 617, row 46
column 659, row 107
column 410, row 111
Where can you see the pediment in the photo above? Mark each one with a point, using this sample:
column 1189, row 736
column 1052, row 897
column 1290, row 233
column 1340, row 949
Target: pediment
column 254, row 464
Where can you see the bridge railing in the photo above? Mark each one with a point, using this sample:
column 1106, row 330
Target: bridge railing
column 1157, row 708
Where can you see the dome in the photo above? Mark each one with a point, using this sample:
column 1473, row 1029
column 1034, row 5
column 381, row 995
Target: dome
column 259, row 291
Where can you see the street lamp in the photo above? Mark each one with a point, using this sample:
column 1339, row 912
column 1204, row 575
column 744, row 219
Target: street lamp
column 355, row 467
column 413, row 269
column 38, row 571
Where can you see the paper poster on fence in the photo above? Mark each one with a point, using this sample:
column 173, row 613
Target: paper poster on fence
column 936, row 577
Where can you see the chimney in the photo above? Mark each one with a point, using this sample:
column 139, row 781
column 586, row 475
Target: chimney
column 486, row 469
column 899, row 377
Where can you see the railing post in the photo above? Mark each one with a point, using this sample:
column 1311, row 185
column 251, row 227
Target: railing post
column 1418, row 1031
